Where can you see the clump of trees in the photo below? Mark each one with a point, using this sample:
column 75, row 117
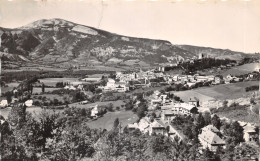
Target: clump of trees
column 225, row 108
column 251, row 88
column 204, row 63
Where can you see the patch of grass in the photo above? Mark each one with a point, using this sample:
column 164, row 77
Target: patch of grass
column 240, row 115
column 107, row 121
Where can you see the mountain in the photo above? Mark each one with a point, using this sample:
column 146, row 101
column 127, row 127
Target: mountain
column 62, row 43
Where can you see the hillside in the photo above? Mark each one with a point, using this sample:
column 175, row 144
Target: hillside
column 61, row 43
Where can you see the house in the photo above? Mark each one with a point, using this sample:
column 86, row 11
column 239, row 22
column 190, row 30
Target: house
column 167, row 115
column 72, row 88
column 184, row 109
column 217, row 80
column 227, row 81
column 209, row 139
column 190, row 84
column 28, row 103
column 66, row 87
column 175, row 133
column 157, row 127
column 3, row 103
column 143, row 125
column 95, row 111
column 194, row 101
column 91, row 79
column 14, row 100
column 112, row 85
column 250, row 133
column 84, row 102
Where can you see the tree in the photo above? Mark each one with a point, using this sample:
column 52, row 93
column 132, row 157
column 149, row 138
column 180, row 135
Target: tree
column 43, row 88
column 207, row 118
column 225, row 103
column 116, row 123
column 216, row 121
column 9, row 95
column 200, row 121
column 208, row 155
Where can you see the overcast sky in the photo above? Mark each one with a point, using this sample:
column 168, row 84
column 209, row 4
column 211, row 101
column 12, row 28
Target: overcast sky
column 229, row 24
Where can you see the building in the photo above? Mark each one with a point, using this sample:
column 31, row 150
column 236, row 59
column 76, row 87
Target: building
column 217, row 80
column 3, row 103
column 112, row 85
column 91, row 79
column 28, row 103
column 184, row 109
column 250, row 134
column 157, row 127
column 209, row 139
column 201, row 55
column 194, row 101
column 95, row 111
column 167, row 115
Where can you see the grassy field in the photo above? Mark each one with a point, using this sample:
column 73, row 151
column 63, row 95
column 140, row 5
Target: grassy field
column 39, row 89
column 240, row 115
column 34, row 110
column 53, row 81
column 238, row 70
column 227, row 91
column 9, row 87
column 107, row 121
column 117, row 103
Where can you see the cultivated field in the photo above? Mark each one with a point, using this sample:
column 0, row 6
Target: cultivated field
column 107, row 121
column 239, row 70
column 53, row 81
column 9, row 87
column 117, row 103
column 34, row 110
column 227, row 91
column 39, row 89
column 221, row 92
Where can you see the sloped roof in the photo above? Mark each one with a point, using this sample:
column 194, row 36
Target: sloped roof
column 157, row 124
column 249, row 129
column 168, row 112
column 184, row 105
column 210, row 128
column 211, row 138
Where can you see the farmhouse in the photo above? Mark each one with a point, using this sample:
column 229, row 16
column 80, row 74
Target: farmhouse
column 167, row 115
column 209, row 139
column 157, row 127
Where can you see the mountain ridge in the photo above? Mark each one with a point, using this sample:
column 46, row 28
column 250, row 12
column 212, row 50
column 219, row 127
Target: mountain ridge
column 61, row 42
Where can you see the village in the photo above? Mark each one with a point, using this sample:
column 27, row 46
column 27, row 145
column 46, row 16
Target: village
column 152, row 99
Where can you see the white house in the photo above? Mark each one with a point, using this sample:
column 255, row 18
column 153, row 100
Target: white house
column 112, row 85
column 157, row 127
column 94, row 111
column 184, row 108
column 3, row 103
column 28, row 103
column 250, row 133
column 209, row 138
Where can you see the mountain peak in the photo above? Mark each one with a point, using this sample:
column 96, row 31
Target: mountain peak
column 48, row 23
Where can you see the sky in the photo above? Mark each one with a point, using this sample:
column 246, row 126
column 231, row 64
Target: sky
column 226, row 24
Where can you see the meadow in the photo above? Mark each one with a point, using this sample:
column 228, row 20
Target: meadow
column 107, row 121
column 239, row 70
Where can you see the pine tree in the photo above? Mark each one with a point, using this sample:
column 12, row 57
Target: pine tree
column 216, row 121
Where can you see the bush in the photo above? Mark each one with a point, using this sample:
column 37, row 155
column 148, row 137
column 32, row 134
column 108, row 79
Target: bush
column 251, row 88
